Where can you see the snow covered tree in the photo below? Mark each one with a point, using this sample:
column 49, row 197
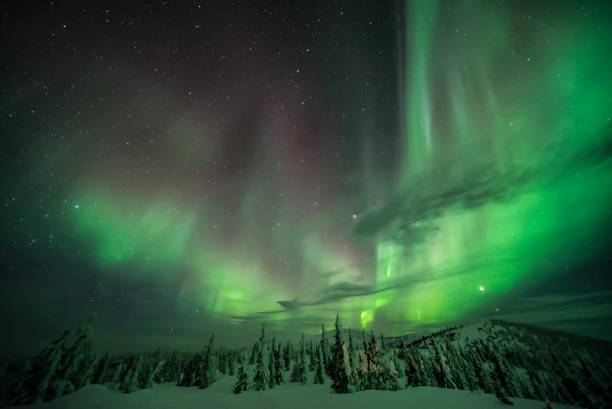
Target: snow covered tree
column 350, row 348
column 312, row 361
column 413, row 368
column 78, row 360
column 287, row 356
column 208, row 371
column 278, row 373
column 299, row 367
column 325, row 351
column 153, row 371
column 362, row 371
column 442, row 371
column 45, row 369
column 231, row 364
column 319, row 370
column 340, row 366
column 129, row 383
column 375, row 369
column 102, row 370
column 242, row 383
column 261, row 378
column 189, row 375
column 391, row 376
column 272, row 364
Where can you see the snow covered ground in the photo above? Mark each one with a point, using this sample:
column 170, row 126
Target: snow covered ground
column 287, row 396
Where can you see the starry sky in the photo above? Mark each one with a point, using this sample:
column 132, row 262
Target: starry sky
column 176, row 168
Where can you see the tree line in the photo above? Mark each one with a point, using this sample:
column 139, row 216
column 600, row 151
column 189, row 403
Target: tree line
column 506, row 359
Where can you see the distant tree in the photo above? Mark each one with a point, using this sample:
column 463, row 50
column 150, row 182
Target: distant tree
column 350, row 348
column 78, row 362
column 152, row 374
column 261, row 376
column 208, row 370
column 412, row 368
column 375, row 369
column 272, row 364
column 44, row 370
column 102, row 370
column 442, row 371
column 299, row 367
column 319, row 370
column 287, row 356
column 312, row 361
column 130, row 380
column 254, row 352
column 341, row 370
column 363, row 372
column 231, row 364
column 242, row 383
column 325, row 353
column 391, row 376
column 278, row 373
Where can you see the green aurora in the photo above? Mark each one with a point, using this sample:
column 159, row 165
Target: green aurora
column 500, row 176
column 225, row 205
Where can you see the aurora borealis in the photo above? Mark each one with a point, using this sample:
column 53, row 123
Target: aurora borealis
column 175, row 169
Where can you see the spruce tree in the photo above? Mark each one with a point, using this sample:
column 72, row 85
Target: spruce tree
column 375, row 369
column 272, row 364
column 101, row 372
column 231, row 364
column 129, row 382
column 351, row 348
column 287, row 356
column 242, row 383
column 299, row 370
column 340, row 363
column 325, row 351
column 208, row 370
column 261, row 377
column 278, row 373
column 412, row 369
column 362, row 372
column 318, row 376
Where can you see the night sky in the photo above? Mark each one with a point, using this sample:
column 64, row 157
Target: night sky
column 174, row 168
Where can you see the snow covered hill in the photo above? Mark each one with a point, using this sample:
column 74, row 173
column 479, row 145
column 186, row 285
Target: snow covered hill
column 477, row 366
column 288, row 396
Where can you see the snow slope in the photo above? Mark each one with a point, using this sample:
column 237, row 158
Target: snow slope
column 287, row 396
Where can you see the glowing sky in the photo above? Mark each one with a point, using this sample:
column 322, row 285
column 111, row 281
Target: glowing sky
column 177, row 169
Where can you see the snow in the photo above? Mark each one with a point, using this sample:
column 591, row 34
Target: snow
column 288, row 396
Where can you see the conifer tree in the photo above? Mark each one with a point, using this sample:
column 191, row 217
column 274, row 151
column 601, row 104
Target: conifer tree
column 412, row 369
column 101, row 372
column 78, row 359
column 375, row 369
column 362, row 371
column 231, row 364
column 312, row 360
column 208, row 370
column 278, row 373
column 42, row 373
column 242, row 383
column 351, row 348
column 391, row 376
column 261, row 377
column 299, row 367
column 325, row 351
column 318, row 376
column 340, row 363
column 130, row 380
column 272, row 364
